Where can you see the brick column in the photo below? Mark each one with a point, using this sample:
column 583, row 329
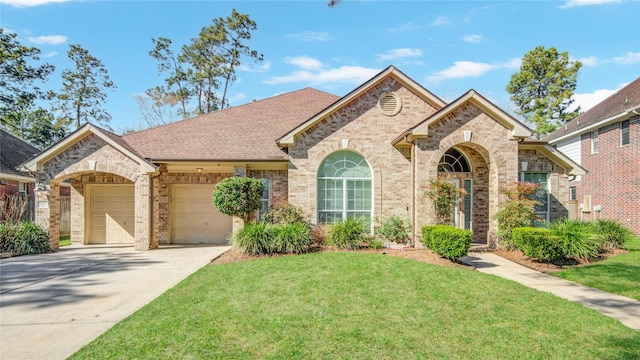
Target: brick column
column 47, row 208
column 54, row 215
column 143, row 213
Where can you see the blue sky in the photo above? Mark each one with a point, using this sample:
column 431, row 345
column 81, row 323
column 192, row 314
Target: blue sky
column 447, row 46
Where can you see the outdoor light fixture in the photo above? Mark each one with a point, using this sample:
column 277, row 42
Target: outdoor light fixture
column 199, row 170
column 524, row 165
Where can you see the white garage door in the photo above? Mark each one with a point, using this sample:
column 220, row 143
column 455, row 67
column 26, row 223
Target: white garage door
column 194, row 219
column 111, row 209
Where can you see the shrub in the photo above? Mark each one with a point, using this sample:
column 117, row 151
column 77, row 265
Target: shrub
column 318, row 234
column 292, row 238
column 394, row 229
column 519, row 211
column 426, row 235
column 348, row 234
column 7, row 236
column 238, row 196
column 445, row 196
column 538, row 243
column 376, row 244
column 255, row 238
column 577, row 239
column 450, row 242
column 610, row 234
column 26, row 238
column 285, row 214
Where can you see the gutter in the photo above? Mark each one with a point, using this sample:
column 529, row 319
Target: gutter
column 618, row 117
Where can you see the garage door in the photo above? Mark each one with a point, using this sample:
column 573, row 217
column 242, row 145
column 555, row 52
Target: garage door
column 194, row 219
column 111, row 209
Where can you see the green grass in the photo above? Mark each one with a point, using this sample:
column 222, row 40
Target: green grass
column 65, row 240
column 359, row 306
column 619, row 274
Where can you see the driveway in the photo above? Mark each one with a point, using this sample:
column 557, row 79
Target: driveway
column 51, row 305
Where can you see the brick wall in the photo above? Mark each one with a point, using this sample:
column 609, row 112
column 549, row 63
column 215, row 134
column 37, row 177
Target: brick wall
column 613, row 177
column 363, row 128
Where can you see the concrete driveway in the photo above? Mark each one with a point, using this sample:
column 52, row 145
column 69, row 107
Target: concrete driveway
column 51, row 305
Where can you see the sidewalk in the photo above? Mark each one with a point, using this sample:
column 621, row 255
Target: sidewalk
column 625, row 309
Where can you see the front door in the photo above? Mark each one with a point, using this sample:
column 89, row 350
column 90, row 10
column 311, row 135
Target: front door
column 461, row 216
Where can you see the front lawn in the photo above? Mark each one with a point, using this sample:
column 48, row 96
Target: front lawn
column 359, row 306
column 619, row 274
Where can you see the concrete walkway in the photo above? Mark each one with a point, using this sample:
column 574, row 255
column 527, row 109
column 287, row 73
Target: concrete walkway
column 625, row 309
column 51, row 305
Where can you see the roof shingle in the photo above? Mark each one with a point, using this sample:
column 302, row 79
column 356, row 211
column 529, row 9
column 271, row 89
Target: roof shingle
column 245, row 132
column 14, row 152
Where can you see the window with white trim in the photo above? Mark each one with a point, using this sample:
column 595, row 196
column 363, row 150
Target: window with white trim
column 624, row 133
column 572, row 193
column 542, row 192
column 345, row 188
column 22, row 188
column 594, row 142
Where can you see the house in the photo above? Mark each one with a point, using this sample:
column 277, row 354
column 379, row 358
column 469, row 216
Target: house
column 13, row 152
column 369, row 154
column 605, row 140
column 13, row 180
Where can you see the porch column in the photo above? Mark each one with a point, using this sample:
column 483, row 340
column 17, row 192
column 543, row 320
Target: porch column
column 238, row 223
column 47, row 208
column 143, row 213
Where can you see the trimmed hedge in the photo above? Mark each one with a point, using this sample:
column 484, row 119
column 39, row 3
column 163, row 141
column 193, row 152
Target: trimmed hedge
column 449, row 242
column 538, row 243
column 426, row 235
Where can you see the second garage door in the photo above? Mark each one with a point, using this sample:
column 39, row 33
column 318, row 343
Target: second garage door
column 111, row 214
column 194, row 219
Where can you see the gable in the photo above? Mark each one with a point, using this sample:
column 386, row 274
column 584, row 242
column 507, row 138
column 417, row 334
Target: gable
column 288, row 139
column 516, row 129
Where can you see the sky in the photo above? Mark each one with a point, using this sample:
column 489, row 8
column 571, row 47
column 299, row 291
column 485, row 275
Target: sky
column 449, row 47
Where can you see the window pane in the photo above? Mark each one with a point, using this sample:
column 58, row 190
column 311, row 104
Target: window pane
column 624, row 133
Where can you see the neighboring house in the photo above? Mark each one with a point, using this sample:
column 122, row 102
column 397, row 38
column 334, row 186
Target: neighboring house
column 605, row 140
column 13, row 152
column 15, row 180
column 369, row 154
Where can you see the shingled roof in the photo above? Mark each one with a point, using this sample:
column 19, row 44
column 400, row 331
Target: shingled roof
column 13, row 152
column 623, row 101
column 245, row 132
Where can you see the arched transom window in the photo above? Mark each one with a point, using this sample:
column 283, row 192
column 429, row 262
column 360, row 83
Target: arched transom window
column 453, row 161
column 344, row 188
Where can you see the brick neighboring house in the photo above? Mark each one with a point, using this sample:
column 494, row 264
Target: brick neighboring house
column 371, row 153
column 605, row 140
column 13, row 180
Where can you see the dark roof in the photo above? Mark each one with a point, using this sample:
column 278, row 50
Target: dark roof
column 13, row 152
column 245, row 132
column 624, row 99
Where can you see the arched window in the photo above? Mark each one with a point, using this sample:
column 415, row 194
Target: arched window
column 453, row 161
column 344, row 188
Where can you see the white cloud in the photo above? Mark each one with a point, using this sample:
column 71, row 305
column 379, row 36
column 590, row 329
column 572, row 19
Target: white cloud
column 576, row 3
column 311, row 36
column 589, row 100
column 590, row 61
column 473, row 38
column 441, row 20
column 513, row 64
column 628, row 58
column 462, row 69
column 29, row 3
column 399, row 54
column 405, row 27
column 48, row 39
column 50, row 54
column 314, row 72
column 304, row 62
column 255, row 68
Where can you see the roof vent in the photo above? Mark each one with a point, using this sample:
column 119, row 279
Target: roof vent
column 390, row 104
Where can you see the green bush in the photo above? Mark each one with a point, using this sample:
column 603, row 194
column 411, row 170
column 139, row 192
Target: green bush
column 238, row 196
column 450, row 242
column 348, row 234
column 7, row 236
column 285, row 214
column 292, row 238
column 376, row 244
column 26, row 238
column 426, row 235
column 577, row 238
column 610, row 234
column 394, row 229
column 538, row 243
column 255, row 238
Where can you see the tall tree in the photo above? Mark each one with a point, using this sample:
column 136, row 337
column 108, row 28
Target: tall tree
column 208, row 63
column 157, row 106
column 177, row 83
column 543, row 88
column 84, row 89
